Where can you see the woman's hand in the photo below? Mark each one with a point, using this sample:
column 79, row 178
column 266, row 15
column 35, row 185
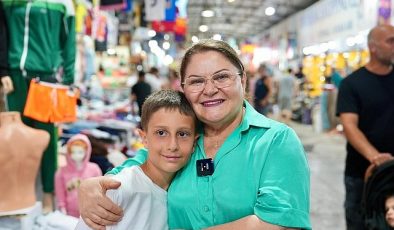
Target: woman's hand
column 96, row 209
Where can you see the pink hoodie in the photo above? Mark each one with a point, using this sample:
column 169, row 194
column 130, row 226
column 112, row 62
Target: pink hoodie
column 68, row 178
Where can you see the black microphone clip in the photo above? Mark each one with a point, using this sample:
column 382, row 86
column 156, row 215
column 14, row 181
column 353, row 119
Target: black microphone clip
column 205, row 167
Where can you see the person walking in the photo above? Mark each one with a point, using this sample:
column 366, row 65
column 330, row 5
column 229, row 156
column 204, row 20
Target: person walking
column 262, row 90
column 366, row 109
column 286, row 92
column 140, row 91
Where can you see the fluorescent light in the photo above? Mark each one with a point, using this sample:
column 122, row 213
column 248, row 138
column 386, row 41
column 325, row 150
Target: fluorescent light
column 207, row 13
column 269, row 11
column 203, row 28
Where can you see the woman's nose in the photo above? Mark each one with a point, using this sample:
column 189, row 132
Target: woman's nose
column 210, row 87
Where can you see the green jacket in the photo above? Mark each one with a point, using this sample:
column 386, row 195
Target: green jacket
column 41, row 36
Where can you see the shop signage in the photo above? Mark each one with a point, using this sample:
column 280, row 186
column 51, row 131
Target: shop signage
column 335, row 19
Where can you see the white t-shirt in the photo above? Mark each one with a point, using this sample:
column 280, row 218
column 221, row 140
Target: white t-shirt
column 143, row 202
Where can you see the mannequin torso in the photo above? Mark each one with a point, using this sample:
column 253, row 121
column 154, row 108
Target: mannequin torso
column 21, row 148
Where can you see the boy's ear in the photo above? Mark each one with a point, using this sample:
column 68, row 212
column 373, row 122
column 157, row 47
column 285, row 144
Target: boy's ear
column 195, row 141
column 142, row 134
column 196, row 137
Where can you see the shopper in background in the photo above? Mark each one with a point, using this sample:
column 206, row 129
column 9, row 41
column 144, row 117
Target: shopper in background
column 153, row 79
column 168, row 133
column 99, row 154
column 247, row 171
column 263, row 90
column 366, row 109
column 174, row 80
column 41, row 43
column 286, row 92
column 140, row 91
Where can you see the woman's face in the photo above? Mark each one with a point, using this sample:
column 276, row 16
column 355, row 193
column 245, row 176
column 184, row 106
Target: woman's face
column 213, row 106
column 390, row 211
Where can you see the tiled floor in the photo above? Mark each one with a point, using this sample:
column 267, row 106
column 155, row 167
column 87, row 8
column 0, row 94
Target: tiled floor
column 326, row 154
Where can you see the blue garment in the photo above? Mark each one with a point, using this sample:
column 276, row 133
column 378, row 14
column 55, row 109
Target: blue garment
column 336, row 79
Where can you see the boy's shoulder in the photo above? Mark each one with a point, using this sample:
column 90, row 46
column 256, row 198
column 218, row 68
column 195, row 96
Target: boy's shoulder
column 128, row 174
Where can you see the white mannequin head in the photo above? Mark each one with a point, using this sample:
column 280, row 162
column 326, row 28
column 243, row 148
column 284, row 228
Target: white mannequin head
column 77, row 151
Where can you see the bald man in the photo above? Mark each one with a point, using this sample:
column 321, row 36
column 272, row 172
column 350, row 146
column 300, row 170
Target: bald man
column 366, row 109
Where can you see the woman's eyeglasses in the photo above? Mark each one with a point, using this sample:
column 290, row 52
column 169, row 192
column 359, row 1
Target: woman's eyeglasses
column 219, row 80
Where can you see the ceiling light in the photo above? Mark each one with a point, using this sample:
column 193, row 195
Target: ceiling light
column 203, row 28
column 151, row 33
column 152, row 43
column 230, row 0
column 207, row 13
column 168, row 60
column 166, row 45
column 269, row 11
column 194, row 39
column 217, row 37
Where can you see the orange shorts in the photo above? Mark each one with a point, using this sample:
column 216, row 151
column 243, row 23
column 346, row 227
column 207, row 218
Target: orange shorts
column 48, row 102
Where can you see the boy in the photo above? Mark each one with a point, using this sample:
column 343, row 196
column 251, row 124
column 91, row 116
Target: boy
column 168, row 132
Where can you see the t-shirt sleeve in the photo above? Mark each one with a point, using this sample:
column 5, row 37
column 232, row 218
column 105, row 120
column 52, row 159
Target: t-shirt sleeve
column 283, row 196
column 138, row 159
column 81, row 225
column 116, row 196
column 347, row 101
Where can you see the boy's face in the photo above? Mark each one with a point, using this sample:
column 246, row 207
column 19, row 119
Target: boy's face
column 390, row 211
column 169, row 138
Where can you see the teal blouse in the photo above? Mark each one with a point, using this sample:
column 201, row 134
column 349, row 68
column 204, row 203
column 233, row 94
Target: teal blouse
column 260, row 169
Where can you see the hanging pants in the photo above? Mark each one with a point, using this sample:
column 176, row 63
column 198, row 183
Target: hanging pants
column 16, row 102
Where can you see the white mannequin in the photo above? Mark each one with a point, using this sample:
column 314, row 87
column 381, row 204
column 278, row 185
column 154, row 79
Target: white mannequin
column 78, row 152
column 21, row 149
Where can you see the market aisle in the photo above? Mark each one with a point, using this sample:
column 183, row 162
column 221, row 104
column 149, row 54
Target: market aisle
column 326, row 155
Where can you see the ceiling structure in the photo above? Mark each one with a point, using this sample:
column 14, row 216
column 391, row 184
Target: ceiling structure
column 239, row 18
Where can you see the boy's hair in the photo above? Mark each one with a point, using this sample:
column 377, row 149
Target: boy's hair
column 168, row 99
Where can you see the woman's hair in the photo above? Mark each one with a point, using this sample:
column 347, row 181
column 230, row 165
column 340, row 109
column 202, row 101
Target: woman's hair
column 211, row 45
column 168, row 99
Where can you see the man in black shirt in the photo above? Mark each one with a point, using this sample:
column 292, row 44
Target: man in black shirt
column 366, row 109
column 140, row 91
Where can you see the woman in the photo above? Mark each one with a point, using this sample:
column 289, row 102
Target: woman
column 259, row 176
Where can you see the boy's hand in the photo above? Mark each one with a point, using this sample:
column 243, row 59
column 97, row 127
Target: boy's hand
column 96, row 209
